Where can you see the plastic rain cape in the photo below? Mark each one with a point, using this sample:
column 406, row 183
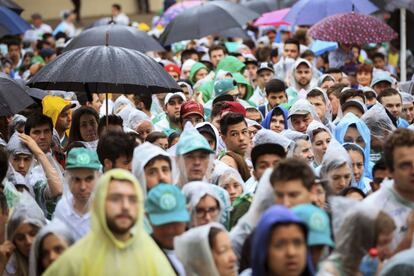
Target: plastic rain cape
column 100, row 253
column 56, row 227
column 355, row 231
column 193, row 250
column 196, row 190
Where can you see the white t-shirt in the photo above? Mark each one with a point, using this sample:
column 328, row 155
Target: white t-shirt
column 389, row 201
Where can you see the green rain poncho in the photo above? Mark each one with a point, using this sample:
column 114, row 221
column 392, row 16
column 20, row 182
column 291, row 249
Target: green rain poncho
column 100, row 253
column 194, row 69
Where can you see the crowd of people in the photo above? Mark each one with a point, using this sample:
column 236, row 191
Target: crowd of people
column 270, row 161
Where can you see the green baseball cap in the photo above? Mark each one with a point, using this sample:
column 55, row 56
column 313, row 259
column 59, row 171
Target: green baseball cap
column 223, row 86
column 318, row 224
column 82, row 158
column 165, row 204
column 192, row 140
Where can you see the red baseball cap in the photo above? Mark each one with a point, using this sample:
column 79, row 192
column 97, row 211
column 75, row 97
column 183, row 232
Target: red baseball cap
column 172, row 68
column 235, row 107
column 191, row 107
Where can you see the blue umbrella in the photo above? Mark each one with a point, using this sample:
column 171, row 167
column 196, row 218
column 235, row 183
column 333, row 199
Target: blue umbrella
column 319, row 47
column 11, row 23
column 309, row 12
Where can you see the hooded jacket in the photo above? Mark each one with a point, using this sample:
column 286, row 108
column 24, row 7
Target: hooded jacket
column 193, row 250
column 262, row 237
column 53, row 106
column 242, row 80
column 363, row 130
column 57, row 228
column 100, row 253
column 194, row 69
column 230, row 64
column 268, row 118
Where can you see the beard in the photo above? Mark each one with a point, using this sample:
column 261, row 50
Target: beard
column 117, row 229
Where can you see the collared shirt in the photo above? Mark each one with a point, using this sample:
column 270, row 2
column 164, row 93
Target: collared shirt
column 78, row 224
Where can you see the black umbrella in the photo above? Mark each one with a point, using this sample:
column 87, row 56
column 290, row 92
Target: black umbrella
column 234, row 32
column 205, row 19
column 35, row 93
column 104, row 69
column 13, row 98
column 115, row 35
column 11, row 5
column 263, row 6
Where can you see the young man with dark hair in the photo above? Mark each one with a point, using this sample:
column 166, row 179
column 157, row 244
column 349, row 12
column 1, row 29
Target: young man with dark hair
column 14, row 48
column 291, row 52
column 391, row 99
column 379, row 174
column 234, row 132
column 114, row 124
column 352, row 94
column 40, row 128
column 396, row 197
column 334, row 93
column 115, row 150
column 85, row 100
column 275, row 95
column 336, row 73
column 380, row 63
column 292, row 180
column 216, row 53
column 143, row 102
column 317, row 99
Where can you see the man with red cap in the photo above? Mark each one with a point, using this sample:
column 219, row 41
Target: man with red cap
column 173, row 70
column 193, row 112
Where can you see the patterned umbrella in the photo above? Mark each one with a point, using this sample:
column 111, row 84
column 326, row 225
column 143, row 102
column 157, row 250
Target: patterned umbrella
column 352, row 28
column 175, row 10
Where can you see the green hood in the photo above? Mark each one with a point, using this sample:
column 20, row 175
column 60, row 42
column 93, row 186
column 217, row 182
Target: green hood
column 240, row 79
column 194, row 69
column 230, row 64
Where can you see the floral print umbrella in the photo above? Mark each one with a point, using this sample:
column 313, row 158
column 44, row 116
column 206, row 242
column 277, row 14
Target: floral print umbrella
column 352, row 28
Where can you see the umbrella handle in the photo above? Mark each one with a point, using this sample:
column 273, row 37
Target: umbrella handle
column 106, row 108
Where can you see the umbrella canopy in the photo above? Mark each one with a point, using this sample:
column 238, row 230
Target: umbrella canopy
column 104, row 69
column 319, row 47
column 309, row 12
column 175, row 10
column 352, row 28
column 115, row 35
column 391, row 5
column 11, row 5
column 262, row 6
column 11, row 23
column 101, row 22
column 13, row 97
column 274, row 18
column 205, row 19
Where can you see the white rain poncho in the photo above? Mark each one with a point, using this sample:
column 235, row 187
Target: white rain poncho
column 143, row 154
column 291, row 77
column 407, row 98
column 295, row 135
column 266, row 136
column 354, row 226
column 302, row 105
column 378, row 122
column 216, row 134
column 263, row 199
column 219, row 167
column 335, row 157
column 229, row 175
column 124, row 114
column 324, row 77
column 193, row 250
column 196, row 190
column 15, row 147
column 314, row 126
column 401, row 264
column 120, row 103
column 191, row 140
column 136, row 118
column 26, row 211
column 57, row 228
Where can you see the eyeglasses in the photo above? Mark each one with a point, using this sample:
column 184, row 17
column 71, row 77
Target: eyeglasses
column 202, row 212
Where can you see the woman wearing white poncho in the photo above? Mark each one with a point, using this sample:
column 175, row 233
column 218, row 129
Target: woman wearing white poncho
column 206, row 251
